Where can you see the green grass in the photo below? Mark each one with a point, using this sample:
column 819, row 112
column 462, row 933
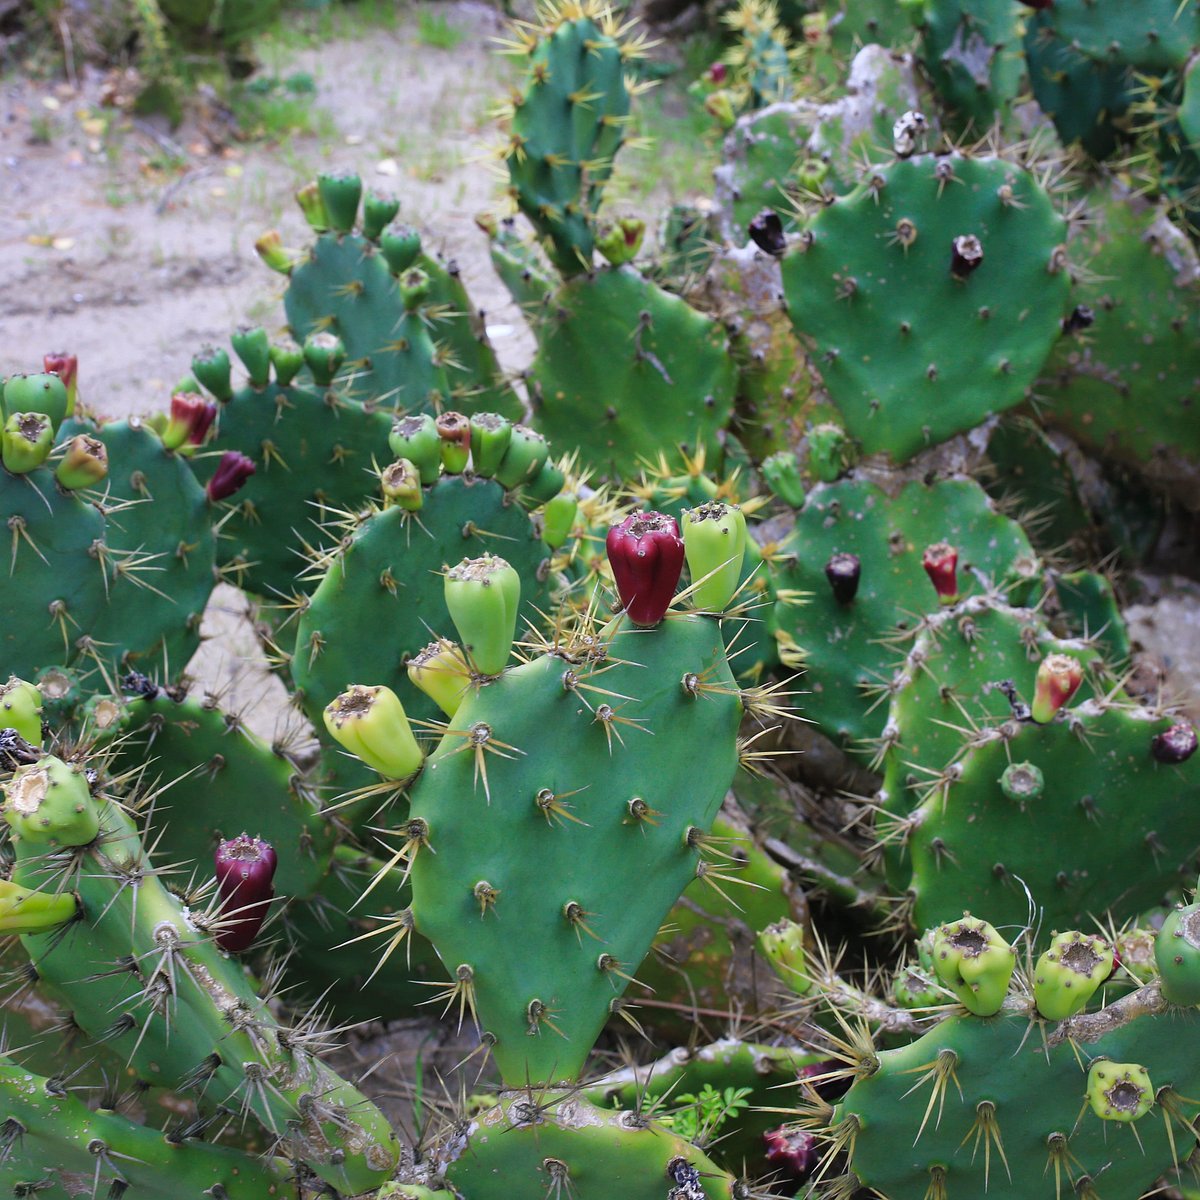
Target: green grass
column 434, row 30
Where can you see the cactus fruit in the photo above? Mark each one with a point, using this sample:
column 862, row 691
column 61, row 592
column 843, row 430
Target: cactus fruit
column 1177, row 955
column 975, row 963
column 371, row 723
column 646, row 555
column 245, row 868
column 1067, row 974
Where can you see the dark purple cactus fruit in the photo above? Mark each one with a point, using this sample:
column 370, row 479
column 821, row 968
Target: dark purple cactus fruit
column 844, row 572
column 717, row 73
column 941, row 565
column 1038, row 4
column 1174, row 745
column 793, row 1152
column 826, row 1078
column 1080, row 318
column 766, row 232
column 646, row 555
column 966, row 255
column 245, row 867
column 232, row 472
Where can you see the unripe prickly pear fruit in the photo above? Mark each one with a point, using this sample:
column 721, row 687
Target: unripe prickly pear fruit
column 340, row 194
column 975, row 963
column 401, row 244
column 1177, row 955
column 545, row 485
column 401, row 484
column 941, row 565
column 1068, row 974
column 621, row 241
column 211, row 368
column 190, row 420
column 830, row 452
column 719, row 106
column 414, row 288
column 1119, row 1091
column 526, row 455
column 251, row 344
column 23, row 911
column 324, row 353
column 245, row 868
column 66, row 366
column 26, row 442
column 42, row 393
column 378, row 213
column 454, row 430
column 646, row 554
column 49, row 803
column 442, row 672
column 490, row 436
column 782, row 945
column 844, row 572
column 558, row 519
column 782, row 473
column 312, row 205
column 1022, row 781
column 270, row 248
column 21, row 709
column 84, row 463
column 371, row 723
column 714, row 542
column 1058, row 679
column 416, row 439
column 482, row 597
column 287, row 358
column 914, row 987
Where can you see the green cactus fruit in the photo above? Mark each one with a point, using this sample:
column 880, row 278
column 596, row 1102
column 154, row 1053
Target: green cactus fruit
column 414, row 288
column 527, row 453
column 782, row 945
column 324, row 354
column 416, row 439
column 26, row 442
column 1177, row 955
column 915, row 987
column 558, row 519
column 84, row 463
column 21, row 709
column 212, row 369
column 544, row 485
column 340, row 195
column 1022, row 782
column 454, row 432
column 312, row 205
column 43, row 393
column 620, row 242
column 47, row 803
column 1069, row 972
column 442, row 672
column 253, row 347
column 781, row 472
column 378, row 213
column 287, row 358
column 275, row 255
column 371, row 723
column 400, row 483
column 483, row 597
column 1119, row 1091
column 831, row 452
column 975, row 963
column 25, row 911
column 490, row 437
column 714, row 541
column 401, row 246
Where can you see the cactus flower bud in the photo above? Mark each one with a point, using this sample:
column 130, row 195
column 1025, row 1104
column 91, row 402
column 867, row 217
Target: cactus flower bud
column 232, row 472
column 190, row 420
column 324, row 353
column 340, row 194
column 766, row 232
column 1119, row 1091
column 714, row 542
column 378, row 213
column 401, row 244
column 66, row 367
column 941, row 565
column 482, row 597
column 416, row 439
column 84, row 463
column 270, row 248
column 26, row 442
column 287, row 358
column 646, row 554
column 371, row 723
column 1068, row 974
column 23, row 911
column 43, row 393
column 21, row 709
column 211, row 368
column 843, row 572
column 401, row 484
column 620, row 242
column 1058, row 679
column 251, row 344
column 782, row 945
column 1174, row 745
column 782, row 473
column 526, row 455
column 490, row 436
column 558, row 519
column 245, row 868
column 719, row 106
column 975, row 963
column 48, row 803
column 792, row 1151
column 441, row 671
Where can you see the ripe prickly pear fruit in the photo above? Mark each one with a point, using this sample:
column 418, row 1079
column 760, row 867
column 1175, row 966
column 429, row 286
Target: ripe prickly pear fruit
column 401, row 484
column 23, row 911
column 792, row 1151
column 975, row 963
column 378, row 213
column 190, row 420
column 454, row 430
column 782, row 945
column 66, row 367
column 490, row 437
column 232, row 472
column 287, row 358
column 1068, row 974
column 324, row 353
column 371, row 723
column 21, row 709
column 526, row 455
column 442, row 672
column 401, row 244
column 646, row 554
column 558, row 519
column 253, row 347
column 714, row 542
column 26, row 442
column 211, row 368
column 1058, row 679
column 84, row 463
column 1119, row 1091
column 41, row 393
column 482, row 597
column 941, row 565
column 48, row 803
column 274, row 253
column 416, row 439
column 844, row 571
column 1174, row 745
column 1022, row 781
column 1177, row 954
column 340, row 194
column 245, row 868
column 782, row 473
